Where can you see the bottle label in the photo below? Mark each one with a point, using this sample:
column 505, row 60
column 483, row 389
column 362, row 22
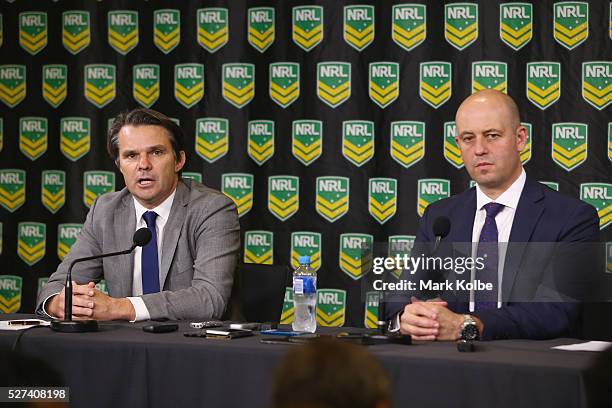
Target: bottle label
column 304, row 285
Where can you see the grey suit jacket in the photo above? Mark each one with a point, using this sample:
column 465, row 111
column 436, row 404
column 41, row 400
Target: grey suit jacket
column 200, row 248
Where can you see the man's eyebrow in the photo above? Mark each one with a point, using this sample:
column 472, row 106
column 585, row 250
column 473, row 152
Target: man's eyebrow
column 465, row 132
column 492, row 130
column 148, row 148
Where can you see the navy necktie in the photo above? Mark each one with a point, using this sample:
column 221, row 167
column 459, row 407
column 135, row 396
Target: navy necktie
column 149, row 263
column 488, row 250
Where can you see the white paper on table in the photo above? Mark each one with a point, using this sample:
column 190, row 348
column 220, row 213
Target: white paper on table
column 4, row 325
column 588, row 346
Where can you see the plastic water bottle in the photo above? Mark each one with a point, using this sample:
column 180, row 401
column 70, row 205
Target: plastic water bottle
column 304, row 296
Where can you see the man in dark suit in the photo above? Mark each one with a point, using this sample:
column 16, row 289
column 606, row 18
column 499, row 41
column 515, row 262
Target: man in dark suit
column 506, row 206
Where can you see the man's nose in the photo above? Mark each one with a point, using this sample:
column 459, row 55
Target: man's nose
column 480, row 146
column 143, row 162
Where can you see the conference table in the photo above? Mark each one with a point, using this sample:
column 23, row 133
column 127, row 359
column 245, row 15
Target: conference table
column 123, row 366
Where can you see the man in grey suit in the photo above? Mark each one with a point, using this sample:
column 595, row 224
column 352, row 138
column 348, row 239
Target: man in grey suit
column 186, row 270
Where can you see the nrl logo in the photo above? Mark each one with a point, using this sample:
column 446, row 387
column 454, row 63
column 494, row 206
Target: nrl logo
column 333, row 82
column 12, row 189
column 489, row 75
column 55, row 79
column 371, row 310
column 12, row 84
column 101, row 286
column 96, row 183
column 100, row 84
column 356, row 254
column 10, row 293
column 571, row 23
column 33, row 137
column 543, row 83
column 188, row 84
column 67, row 235
column 307, row 139
column 239, row 187
column 597, row 83
column 261, row 27
column 75, row 137
column 452, row 153
column 306, row 243
column 599, row 195
column 400, row 245
column 33, row 31
column 331, row 307
column 123, row 30
column 358, row 141
column 550, row 184
column 332, row 197
column 76, row 34
column 31, row 242
column 146, row 84
column 526, row 152
column 307, row 26
column 166, row 29
column 260, row 136
column 258, row 247
column 193, row 176
column 569, row 144
column 409, row 25
column 41, row 283
column 212, row 28
column 53, row 194
column 384, row 83
column 287, row 312
column 407, row 142
column 212, row 138
column 430, row 191
column 283, row 196
column 516, row 24
column 284, row 83
column 359, row 26
column 382, row 198
column 461, row 24
column 238, row 84
column 435, row 86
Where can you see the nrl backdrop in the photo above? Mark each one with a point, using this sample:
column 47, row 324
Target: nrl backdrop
column 330, row 124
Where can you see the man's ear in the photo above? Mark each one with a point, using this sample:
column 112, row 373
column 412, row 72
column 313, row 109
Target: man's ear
column 521, row 137
column 181, row 161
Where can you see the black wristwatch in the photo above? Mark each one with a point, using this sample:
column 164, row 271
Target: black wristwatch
column 469, row 328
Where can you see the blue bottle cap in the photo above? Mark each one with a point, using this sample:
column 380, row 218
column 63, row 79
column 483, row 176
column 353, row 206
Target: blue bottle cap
column 304, row 259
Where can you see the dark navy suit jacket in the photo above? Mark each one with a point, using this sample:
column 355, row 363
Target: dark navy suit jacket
column 542, row 216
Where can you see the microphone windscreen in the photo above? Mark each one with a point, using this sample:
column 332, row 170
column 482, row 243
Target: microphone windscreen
column 441, row 227
column 142, row 236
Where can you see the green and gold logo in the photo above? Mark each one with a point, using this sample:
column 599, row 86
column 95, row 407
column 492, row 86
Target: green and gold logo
column 599, row 195
column 435, row 86
column 76, row 34
column 543, row 83
column 166, row 29
column 75, row 137
column 331, row 307
column 33, row 136
column 188, row 84
column 287, row 312
column 409, row 25
column 55, row 83
column 307, row 140
column 12, row 188
column 526, row 152
column 356, row 254
column 100, row 84
column 261, row 30
column 382, row 198
column 358, row 141
column 489, row 75
column 146, row 84
column 400, row 245
column 192, row 175
column 96, row 183
column 407, row 142
column 333, row 82
column 608, row 257
column 123, row 30
column 430, row 191
column 307, row 26
column 212, row 138
column 41, row 284
column 384, row 83
column 12, row 84
column 260, row 136
column 332, row 197
column 597, row 83
column 371, row 310
column 569, row 144
column 33, row 31
column 67, row 235
column 259, row 247
column 461, row 24
column 550, row 184
column 359, row 26
column 284, row 83
column 10, row 293
column 238, row 84
column 452, row 153
column 53, row 189
column 31, row 242
column 516, row 24
column 306, row 243
column 571, row 23
column 212, row 28
column 239, row 187
column 283, row 196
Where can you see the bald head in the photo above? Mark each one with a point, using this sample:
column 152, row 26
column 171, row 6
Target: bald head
column 487, row 98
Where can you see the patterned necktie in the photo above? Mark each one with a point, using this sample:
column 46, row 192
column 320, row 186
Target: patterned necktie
column 149, row 262
column 488, row 250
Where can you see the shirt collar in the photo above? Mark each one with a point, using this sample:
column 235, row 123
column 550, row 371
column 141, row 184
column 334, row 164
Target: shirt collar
column 508, row 198
column 162, row 210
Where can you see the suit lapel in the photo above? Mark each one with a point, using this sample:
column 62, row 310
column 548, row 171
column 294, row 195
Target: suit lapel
column 463, row 221
column 124, row 225
column 172, row 230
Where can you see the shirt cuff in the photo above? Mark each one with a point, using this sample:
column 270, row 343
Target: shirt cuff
column 142, row 313
column 44, row 305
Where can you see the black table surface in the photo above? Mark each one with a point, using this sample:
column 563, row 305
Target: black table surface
column 120, row 365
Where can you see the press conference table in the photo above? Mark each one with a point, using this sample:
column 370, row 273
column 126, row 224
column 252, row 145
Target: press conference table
column 122, row 366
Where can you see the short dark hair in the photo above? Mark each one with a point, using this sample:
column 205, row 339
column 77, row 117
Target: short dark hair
column 143, row 117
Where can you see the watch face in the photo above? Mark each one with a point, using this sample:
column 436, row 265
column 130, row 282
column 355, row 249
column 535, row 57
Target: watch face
column 469, row 332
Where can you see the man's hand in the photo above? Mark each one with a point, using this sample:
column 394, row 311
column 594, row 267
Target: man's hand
column 109, row 308
column 82, row 304
column 420, row 321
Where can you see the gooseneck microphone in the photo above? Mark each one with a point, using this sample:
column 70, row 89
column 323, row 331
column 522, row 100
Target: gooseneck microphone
column 441, row 228
column 141, row 238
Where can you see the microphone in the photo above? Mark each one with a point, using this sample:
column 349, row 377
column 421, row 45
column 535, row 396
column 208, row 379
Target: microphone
column 141, row 238
column 441, row 228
